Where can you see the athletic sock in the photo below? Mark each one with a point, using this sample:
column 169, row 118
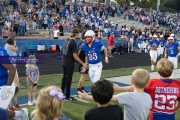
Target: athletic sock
column 18, row 113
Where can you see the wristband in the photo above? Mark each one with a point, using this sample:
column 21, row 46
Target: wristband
column 8, row 86
column 178, row 54
column 165, row 55
column 106, row 58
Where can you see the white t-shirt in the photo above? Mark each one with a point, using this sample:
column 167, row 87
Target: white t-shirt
column 8, row 24
column 136, row 105
column 56, row 33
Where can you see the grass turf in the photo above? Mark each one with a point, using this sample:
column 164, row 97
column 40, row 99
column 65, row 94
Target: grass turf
column 76, row 110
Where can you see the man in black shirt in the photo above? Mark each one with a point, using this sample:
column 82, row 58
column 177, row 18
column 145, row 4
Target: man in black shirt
column 69, row 57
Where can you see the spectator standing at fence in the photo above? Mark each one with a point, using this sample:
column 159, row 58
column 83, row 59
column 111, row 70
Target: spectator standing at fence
column 110, row 44
column 69, row 57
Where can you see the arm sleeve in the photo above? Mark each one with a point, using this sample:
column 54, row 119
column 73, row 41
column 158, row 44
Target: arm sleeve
column 27, row 71
column 38, row 70
column 74, row 47
column 122, row 98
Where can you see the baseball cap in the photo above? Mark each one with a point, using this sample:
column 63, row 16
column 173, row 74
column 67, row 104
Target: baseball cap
column 161, row 36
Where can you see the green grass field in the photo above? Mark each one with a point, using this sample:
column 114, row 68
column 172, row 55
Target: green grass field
column 76, row 110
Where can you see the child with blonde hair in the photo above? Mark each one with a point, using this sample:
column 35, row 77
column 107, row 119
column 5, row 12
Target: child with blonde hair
column 32, row 72
column 49, row 99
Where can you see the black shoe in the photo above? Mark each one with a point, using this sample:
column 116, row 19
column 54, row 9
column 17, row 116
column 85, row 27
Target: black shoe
column 79, row 89
column 69, row 99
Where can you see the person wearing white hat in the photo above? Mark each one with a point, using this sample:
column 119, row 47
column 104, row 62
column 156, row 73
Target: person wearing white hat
column 100, row 23
column 92, row 20
column 172, row 35
column 139, row 42
column 154, row 44
column 92, row 48
column 143, row 35
column 172, row 51
column 106, row 25
column 162, row 44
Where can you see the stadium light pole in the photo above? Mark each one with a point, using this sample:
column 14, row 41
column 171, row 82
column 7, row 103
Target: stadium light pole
column 158, row 4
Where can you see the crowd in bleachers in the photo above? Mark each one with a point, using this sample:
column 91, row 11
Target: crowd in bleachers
column 41, row 14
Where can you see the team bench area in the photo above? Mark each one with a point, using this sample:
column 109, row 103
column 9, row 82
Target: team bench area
column 43, row 49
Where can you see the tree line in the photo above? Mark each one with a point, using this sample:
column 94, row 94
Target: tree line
column 165, row 6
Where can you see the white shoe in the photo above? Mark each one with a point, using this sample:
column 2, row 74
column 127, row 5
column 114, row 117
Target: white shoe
column 152, row 67
column 30, row 103
column 34, row 102
column 24, row 116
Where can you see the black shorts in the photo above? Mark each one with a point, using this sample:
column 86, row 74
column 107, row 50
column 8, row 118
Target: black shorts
column 80, row 68
column 16, row 90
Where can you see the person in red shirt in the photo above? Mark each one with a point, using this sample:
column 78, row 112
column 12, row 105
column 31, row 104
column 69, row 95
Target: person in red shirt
column 110, row 44
column 165, row 92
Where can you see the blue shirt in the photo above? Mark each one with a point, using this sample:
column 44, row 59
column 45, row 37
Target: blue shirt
column 132, row 35
column 172, row 49
column 22, row 22
column 175, row 39
column 139, row 41
column 94, row 52
column 43, row 14
column 143, row 36
column 105, row 25
column 153, row 43
column 3, row 73
column 100, row 23
column 3, row 114
column 149, row 39
column 92, row 19
column 162, row 42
